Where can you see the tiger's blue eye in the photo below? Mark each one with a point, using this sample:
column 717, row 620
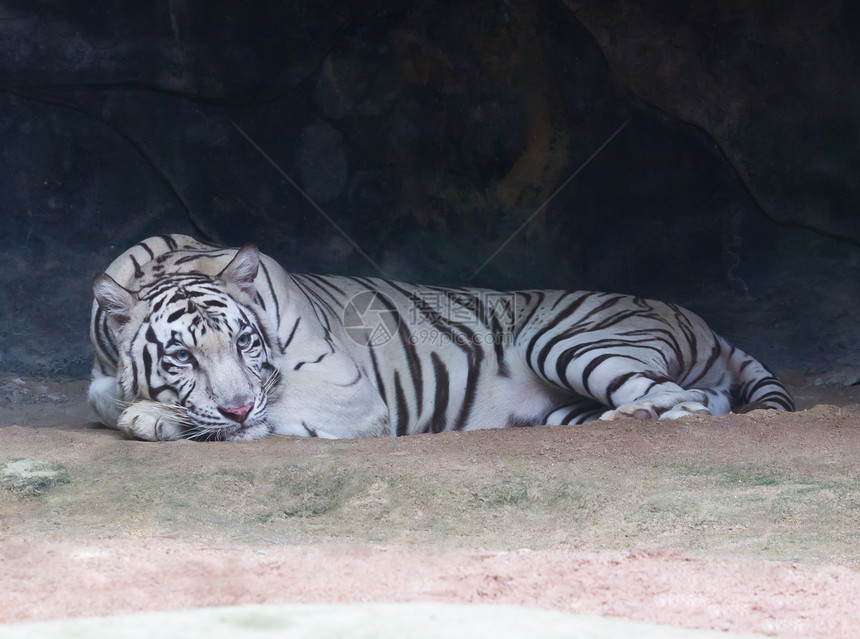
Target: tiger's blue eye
column 181, row 356
column 244, row 340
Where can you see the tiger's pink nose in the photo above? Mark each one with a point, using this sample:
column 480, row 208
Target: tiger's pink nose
column 237, row 413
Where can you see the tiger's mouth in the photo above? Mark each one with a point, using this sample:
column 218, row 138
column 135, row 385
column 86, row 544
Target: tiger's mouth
column 246, row 431
column 255, row 427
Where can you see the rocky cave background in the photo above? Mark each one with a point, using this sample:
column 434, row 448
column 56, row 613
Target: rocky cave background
column 727, row 177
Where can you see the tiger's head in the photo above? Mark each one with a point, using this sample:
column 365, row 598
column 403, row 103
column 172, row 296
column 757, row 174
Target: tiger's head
column 199, row 344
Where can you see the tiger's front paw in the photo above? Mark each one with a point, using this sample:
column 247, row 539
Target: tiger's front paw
column 149, row 421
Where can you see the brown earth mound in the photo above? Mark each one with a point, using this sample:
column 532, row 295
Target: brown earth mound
column 747, row 523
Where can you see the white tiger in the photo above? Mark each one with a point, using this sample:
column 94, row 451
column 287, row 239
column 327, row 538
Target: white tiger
column 204, row 342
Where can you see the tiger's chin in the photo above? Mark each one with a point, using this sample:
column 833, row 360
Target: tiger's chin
column 258, row 429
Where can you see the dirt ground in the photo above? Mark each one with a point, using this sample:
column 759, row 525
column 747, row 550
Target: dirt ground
column 743, row 523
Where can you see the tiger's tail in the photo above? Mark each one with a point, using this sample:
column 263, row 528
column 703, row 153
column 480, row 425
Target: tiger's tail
column 753, row 385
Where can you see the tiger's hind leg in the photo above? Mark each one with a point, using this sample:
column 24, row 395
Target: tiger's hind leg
column 640, row 358
column 625, row 382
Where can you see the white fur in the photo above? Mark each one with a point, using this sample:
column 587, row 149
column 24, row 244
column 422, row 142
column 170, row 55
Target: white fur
column 103, row 398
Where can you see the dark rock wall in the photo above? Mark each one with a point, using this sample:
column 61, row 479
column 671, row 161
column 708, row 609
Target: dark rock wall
column 429, row 133
column 775, row 83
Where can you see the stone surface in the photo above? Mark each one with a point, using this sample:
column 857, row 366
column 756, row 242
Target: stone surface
column 375, row 621
column 323, row 162
column 31, row 477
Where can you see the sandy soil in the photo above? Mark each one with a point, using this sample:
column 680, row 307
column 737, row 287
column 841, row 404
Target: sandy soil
column 746, row 523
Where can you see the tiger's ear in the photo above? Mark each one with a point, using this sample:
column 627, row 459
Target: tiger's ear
column 116, row 301
column 242, row 270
